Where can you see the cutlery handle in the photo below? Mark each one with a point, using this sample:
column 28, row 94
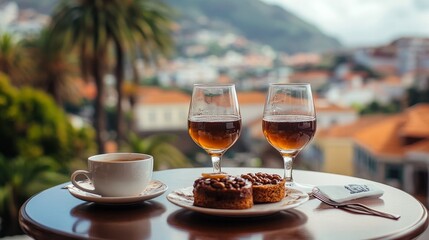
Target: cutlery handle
column 368, row 210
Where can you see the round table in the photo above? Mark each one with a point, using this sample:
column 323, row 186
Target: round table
column 56, row 214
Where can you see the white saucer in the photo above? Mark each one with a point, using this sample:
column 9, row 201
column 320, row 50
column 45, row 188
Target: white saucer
column 294, row 197
column 154, row 189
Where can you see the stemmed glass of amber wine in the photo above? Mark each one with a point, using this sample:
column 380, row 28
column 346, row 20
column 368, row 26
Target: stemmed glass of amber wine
column 289, row 122
column 214, row 120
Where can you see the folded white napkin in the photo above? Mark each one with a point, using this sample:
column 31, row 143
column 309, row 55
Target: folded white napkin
column 343, row 193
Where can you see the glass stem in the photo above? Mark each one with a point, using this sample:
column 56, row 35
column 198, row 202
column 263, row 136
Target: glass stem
column 216, row 162
column 288, row 161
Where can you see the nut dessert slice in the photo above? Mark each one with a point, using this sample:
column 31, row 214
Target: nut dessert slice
column 267, row 188
column 223, row 191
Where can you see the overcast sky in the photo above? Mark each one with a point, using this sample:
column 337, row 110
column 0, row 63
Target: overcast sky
column 363, row 22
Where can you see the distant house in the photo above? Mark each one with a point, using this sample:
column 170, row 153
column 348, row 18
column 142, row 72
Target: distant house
column 316, row 78
column 356, row 92
column 392, row 149
column 395, row 150
column 333, row 136
column 301, row 59
column 336, row 144
column 407, row 55
column 161, row 110
column 185, row 73
column 251, row 106
column 329, row 114
column 21, row 23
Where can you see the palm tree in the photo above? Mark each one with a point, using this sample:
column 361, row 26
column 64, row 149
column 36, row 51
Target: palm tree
column 147, row 25
column 93, row 26
column 14, row 61
column 54, row 71
column 87, row 26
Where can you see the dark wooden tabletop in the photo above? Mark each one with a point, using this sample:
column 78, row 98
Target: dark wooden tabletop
column 56, row 214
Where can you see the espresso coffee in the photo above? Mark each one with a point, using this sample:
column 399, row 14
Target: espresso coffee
column 124, row 160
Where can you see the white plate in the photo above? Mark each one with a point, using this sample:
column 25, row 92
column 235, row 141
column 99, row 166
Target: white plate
column 294, row 197
column 154, row 189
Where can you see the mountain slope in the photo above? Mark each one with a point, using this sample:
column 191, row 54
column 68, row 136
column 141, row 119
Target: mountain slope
column 253, row 19
column 259, row 22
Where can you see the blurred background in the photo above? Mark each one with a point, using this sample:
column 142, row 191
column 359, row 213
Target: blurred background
column 84, row 77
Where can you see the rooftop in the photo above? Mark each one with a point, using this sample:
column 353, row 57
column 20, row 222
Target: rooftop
column 388, row 135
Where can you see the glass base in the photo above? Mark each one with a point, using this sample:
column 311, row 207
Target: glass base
column 302, row 187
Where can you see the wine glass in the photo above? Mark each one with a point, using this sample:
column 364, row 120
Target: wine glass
column 289, row 123
column 214, row 120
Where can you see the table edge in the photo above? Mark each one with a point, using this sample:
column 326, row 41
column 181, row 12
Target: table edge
column 38, row 231
column 414, row 230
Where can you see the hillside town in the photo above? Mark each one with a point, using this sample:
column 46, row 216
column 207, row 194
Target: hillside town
column 75, row 84
column 387, row 146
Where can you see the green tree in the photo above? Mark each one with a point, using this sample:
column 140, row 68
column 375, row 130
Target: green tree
column 415, row 95
column 20, row 178
column 54, row 68
column 144, row 29
column 14, row 60
column 37, row 146
column 95, row 27
column 375, row 107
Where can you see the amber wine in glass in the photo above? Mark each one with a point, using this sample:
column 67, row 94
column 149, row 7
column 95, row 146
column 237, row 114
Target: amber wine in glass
column 214, row 120
column 289, row 122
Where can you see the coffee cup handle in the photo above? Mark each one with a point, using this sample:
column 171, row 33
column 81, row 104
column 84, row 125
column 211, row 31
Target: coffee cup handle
column 76, row 224
column 76, row 183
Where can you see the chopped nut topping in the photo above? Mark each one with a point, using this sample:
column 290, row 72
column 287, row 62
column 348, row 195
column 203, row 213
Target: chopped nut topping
column 262, row 178
column 228, row 182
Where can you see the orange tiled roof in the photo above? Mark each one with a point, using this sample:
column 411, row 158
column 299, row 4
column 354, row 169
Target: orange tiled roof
column 156, row 95
column 349, row 130
column 392, row 79
column 386, row 136
column 382, row 137
column 322, row 105
column 386, row 69
column 87, row 90
column 251, row 97
column 417, row 124
column 422, row 146
column 308, row 76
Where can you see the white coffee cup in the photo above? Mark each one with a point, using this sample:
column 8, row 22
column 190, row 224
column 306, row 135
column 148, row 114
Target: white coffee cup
column 116, row 174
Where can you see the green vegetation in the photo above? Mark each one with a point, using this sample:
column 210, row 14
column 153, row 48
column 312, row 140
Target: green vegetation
column 376, row 107
column 416, row 95
column 14, row 60
column 38, row 146
column 95, row 28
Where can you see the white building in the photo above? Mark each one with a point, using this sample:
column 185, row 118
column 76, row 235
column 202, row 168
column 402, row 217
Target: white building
column 185, row 74
column 329, row 114
column 402, row 56
column 161, row 110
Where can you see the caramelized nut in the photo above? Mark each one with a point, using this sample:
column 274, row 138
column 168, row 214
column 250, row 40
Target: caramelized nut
column 262, row 178
column 218, row 185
